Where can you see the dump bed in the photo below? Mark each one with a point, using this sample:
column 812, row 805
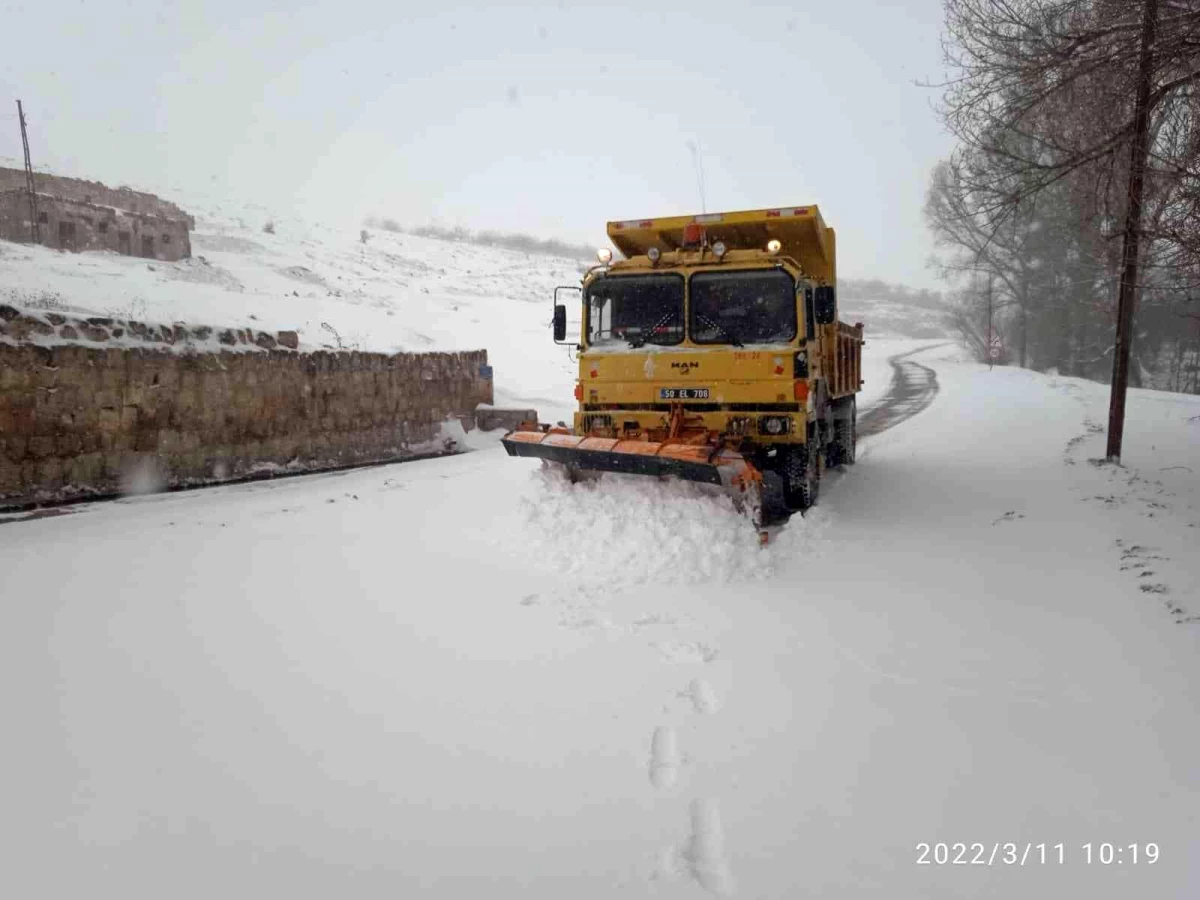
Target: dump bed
column 799, row 229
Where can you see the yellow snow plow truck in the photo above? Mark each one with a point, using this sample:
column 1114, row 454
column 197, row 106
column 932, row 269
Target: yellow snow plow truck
column 713, row 353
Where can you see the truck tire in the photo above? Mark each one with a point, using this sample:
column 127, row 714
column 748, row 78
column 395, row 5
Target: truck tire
column 802, row 474
column 843, row 449
column 774, row 498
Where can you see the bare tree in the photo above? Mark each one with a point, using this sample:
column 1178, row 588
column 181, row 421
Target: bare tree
column 1077, row 174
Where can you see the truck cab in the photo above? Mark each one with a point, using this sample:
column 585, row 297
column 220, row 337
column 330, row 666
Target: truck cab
column 712, row 352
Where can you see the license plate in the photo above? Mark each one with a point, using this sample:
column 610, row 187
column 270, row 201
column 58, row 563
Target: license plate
column 683, row 393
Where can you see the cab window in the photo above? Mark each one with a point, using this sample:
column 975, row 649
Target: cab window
column 635, row 310
column 747, row 307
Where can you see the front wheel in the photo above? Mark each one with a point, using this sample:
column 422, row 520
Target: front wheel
column 802, row 479
column 843, row 448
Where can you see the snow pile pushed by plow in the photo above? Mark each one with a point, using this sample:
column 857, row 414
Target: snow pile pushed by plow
column 615, row 532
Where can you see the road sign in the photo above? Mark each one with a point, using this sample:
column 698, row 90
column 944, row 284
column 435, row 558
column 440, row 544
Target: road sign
column 994, row 352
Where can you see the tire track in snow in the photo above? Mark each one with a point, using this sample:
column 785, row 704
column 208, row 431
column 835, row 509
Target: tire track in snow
column 912, row 390
column 914, row 387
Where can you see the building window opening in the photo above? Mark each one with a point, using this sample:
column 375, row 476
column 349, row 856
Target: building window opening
column 66, row 235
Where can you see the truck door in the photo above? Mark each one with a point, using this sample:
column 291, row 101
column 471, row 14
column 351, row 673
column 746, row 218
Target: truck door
column 810, row 318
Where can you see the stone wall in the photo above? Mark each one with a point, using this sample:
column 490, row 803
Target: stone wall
column 48, row 328
column 78, row 421
column 491, row 418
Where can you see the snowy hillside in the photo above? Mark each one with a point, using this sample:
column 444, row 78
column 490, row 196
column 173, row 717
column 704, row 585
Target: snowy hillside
column 396, row 292
column 462, row 677
column 893, row 310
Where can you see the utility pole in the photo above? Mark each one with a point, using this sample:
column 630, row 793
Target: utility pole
column 1127, row 291
column 35, row 228
column 993, row 351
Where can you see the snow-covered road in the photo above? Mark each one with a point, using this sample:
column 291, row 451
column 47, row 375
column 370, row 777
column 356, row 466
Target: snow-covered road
column 461, row 677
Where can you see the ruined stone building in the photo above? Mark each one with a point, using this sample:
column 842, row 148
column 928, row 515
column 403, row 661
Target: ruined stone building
column 74, row 214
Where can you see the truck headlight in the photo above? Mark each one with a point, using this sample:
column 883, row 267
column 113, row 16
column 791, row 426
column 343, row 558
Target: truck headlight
column 773, row 425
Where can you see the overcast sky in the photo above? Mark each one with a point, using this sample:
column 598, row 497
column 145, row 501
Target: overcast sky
column 548, row 118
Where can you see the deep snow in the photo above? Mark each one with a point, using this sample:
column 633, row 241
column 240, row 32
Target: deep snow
column 464, row 677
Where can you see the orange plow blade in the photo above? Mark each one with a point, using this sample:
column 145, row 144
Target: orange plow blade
column 689, row 462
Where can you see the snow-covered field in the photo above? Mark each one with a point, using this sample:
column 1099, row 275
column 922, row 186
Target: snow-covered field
column 463, row 678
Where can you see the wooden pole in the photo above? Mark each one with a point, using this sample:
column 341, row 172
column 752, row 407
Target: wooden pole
column 35, row 227
column 1127, row 290
column 991, row 333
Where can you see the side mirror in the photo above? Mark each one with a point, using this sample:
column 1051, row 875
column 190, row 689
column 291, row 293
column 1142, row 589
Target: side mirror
column 560, row 322
column 825, row 306
column 560, row 312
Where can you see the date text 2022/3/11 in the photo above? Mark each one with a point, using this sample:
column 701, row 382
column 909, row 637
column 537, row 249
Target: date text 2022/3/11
column 1017, row 853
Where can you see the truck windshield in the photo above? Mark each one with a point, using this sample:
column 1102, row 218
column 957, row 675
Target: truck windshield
column 748, row 307
column 635, row 310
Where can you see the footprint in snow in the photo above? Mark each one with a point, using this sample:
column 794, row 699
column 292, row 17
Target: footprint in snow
column 702, row 855
column 702, row 696
column 576, row 620
column 654, row 619
column 685, row 651
column 1009, row 516
column 664, row 757
column 705, row 853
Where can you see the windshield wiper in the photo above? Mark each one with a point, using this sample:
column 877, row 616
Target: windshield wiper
column 643, row 337
column 733, row 338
